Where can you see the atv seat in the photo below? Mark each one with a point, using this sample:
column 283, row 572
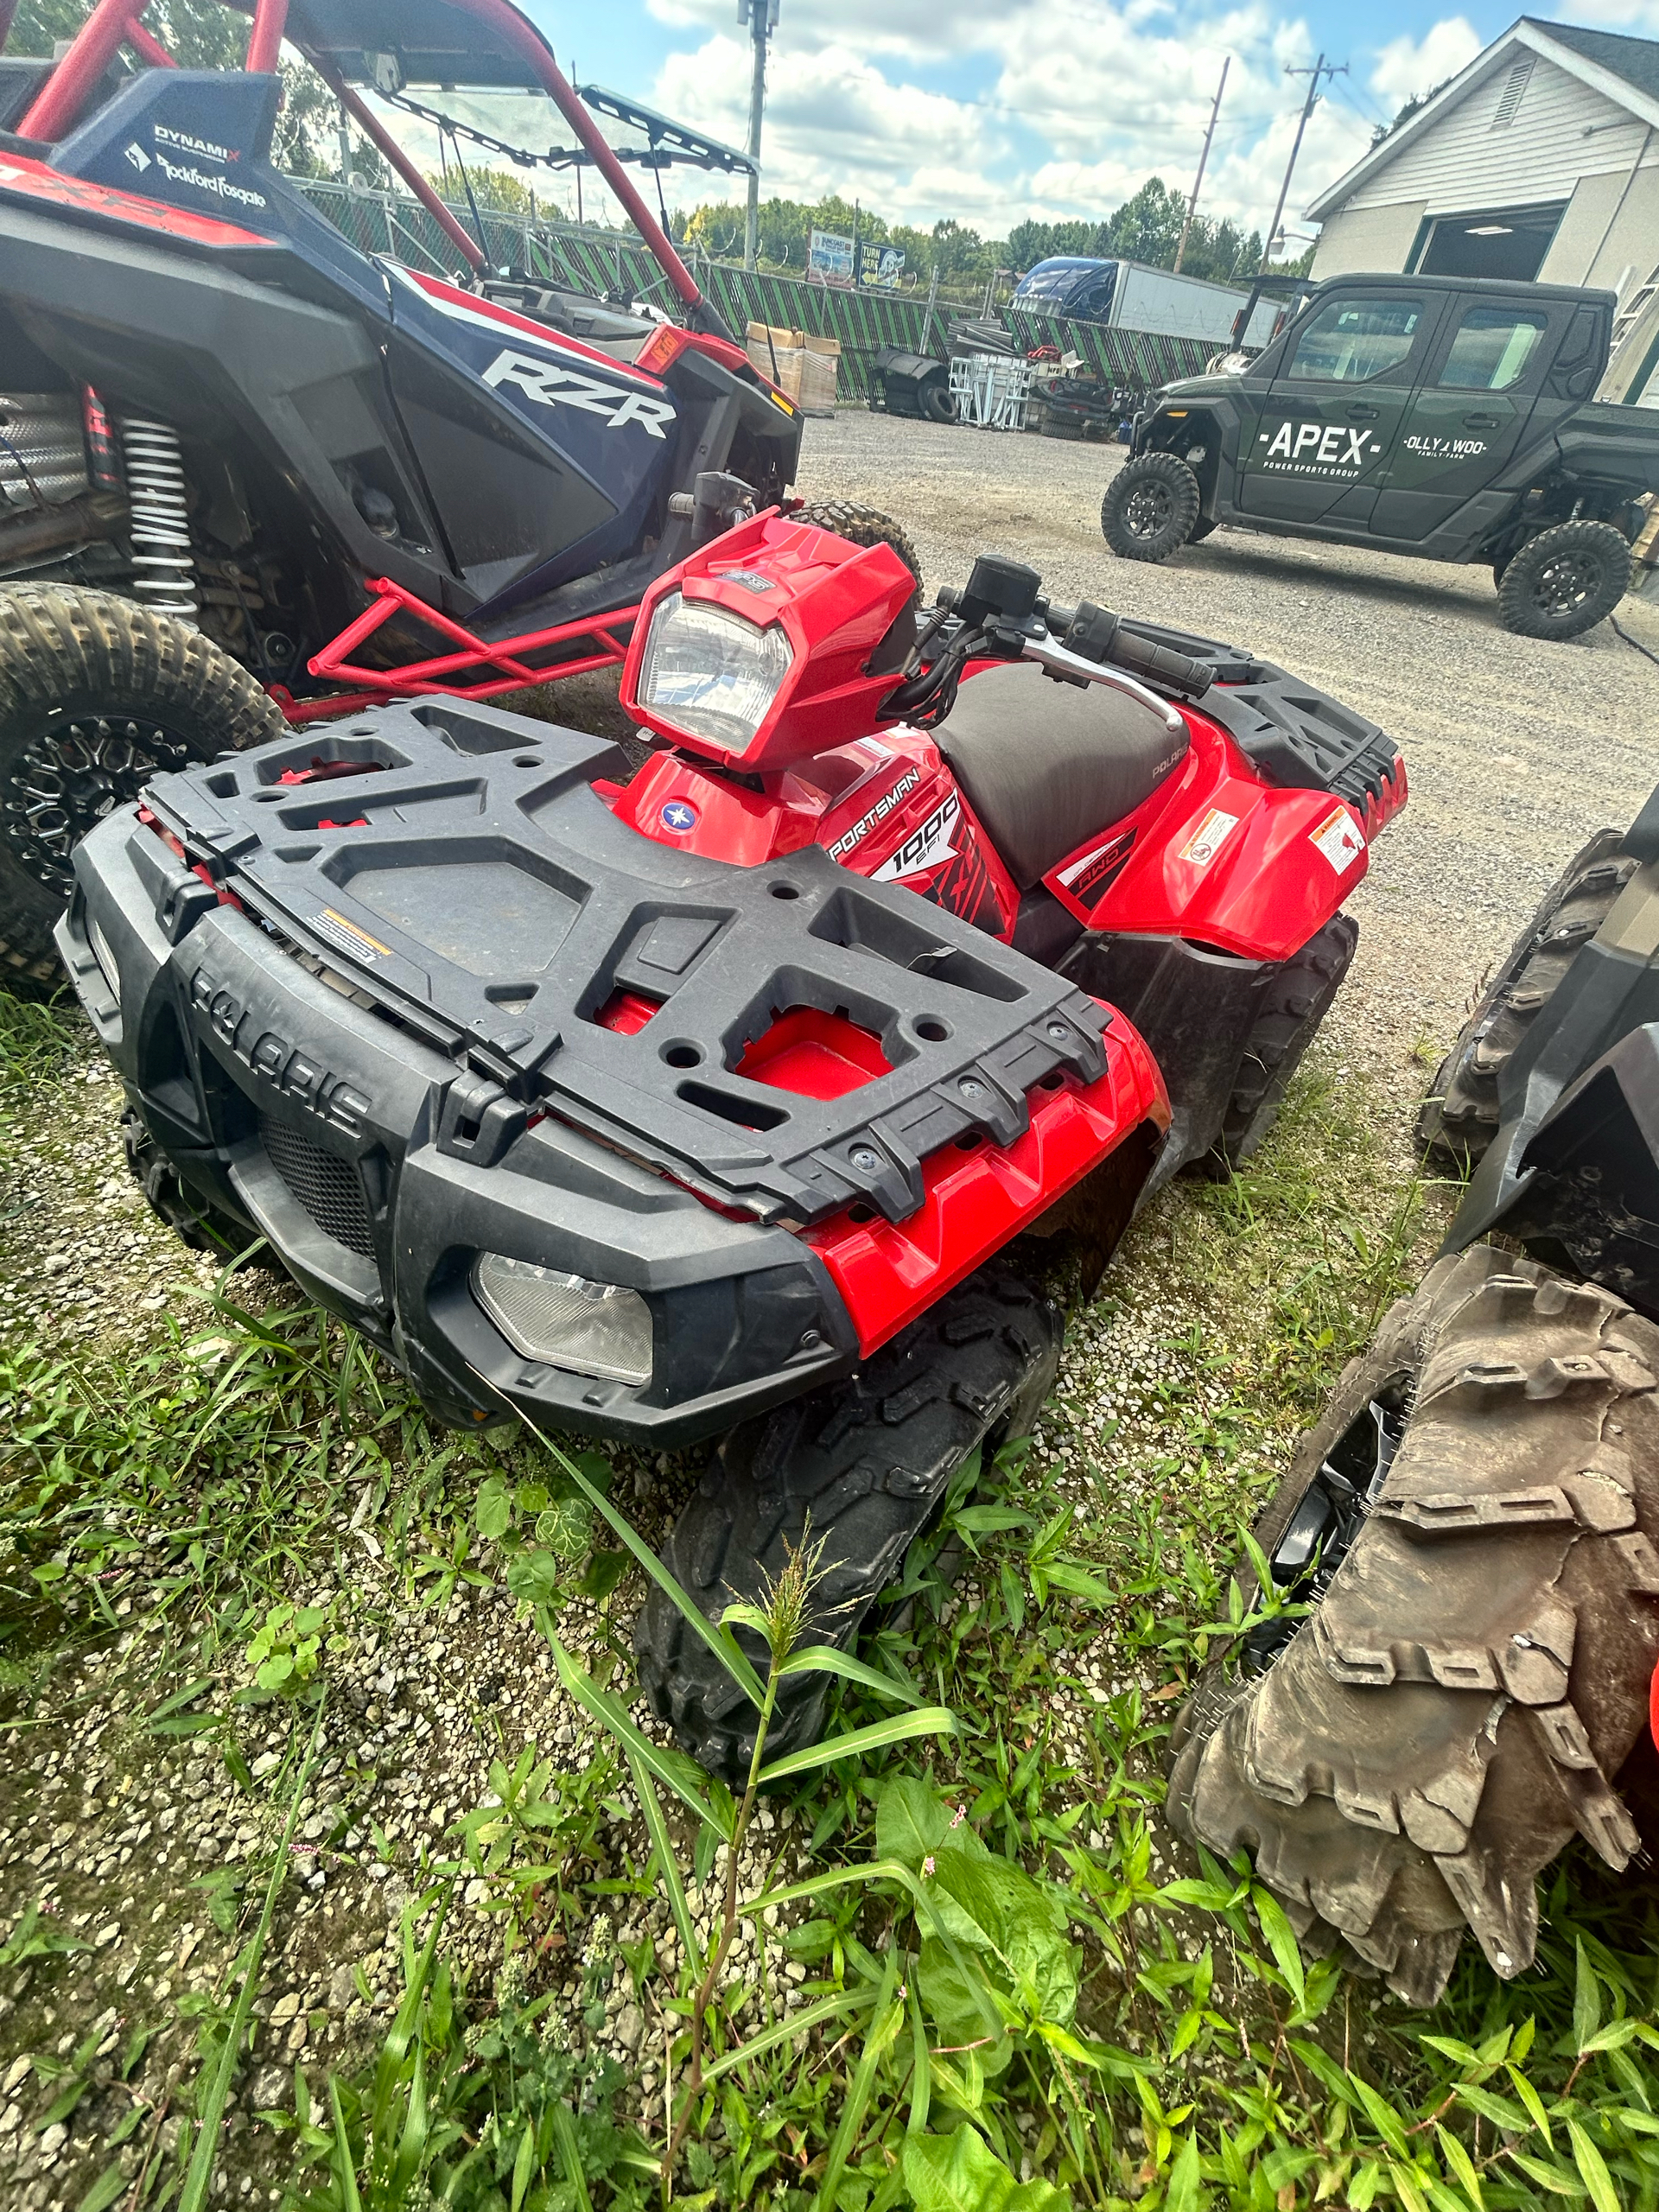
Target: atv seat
column 1044, row 764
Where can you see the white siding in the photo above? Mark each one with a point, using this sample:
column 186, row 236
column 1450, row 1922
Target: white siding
column 1462, row 163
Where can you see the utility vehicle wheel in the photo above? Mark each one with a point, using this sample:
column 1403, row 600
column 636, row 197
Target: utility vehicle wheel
column 1460, row 1117
column 863, row 1465
column 1471, row 1522
column 96, row 695
column 1150, row 508
column 1295, row 1004
column 203, row 1228
column 862, row 526
column 1565, row 581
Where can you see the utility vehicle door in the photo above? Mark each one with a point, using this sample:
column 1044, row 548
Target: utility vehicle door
column 1343, row 379
column 1480, row 389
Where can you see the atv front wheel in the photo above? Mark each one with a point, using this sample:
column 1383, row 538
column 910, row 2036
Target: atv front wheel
column 1295, row 1004
column 1460, row 1117
column 1565, row 581
column 862, row 526
column 1150, row 508
column 199, row 1226
column 862, row 1466
column 97, row 695
column 1406, row 1760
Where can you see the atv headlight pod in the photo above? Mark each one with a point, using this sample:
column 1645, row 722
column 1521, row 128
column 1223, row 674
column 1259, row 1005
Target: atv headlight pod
column 588, row 1328
column 710, row 673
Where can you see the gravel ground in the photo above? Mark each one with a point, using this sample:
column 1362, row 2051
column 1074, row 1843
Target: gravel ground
column 1516, row 751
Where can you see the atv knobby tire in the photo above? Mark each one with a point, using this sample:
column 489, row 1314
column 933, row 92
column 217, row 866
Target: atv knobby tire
column 1460, row 1117
column 862, row 1466
column 862, row 526
column 96, row 695
column 1565, row 581
column 1479, row 1668
column 201, row 1227
column 1150, row 508
column 1295, row 1002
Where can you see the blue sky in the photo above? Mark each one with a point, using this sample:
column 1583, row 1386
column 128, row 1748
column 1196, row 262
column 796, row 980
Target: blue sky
column 923, row 108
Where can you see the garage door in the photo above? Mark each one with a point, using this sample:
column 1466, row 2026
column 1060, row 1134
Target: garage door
column 1509, row 243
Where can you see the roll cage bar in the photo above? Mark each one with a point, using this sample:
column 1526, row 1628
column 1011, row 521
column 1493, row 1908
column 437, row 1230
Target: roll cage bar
column 115, row 23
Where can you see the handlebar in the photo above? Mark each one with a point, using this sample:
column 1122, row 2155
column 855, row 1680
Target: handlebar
column 1096, row 634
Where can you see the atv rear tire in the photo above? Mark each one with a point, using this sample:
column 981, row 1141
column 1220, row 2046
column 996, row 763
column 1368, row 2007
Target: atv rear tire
column 1460, row 1117
column 862, row 1465
column 96, row 695
column 1150, row 508
column 1295, row 1004
column 862, row 526
column 1565, row 581
column 1430, row 1738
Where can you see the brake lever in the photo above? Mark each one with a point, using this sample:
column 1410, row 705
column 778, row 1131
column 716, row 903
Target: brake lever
column 1076, row 670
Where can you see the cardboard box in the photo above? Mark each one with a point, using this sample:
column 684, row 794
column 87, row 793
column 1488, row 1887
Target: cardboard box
column 802, row 366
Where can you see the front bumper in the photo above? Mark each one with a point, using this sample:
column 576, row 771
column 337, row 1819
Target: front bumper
column 347, row 1145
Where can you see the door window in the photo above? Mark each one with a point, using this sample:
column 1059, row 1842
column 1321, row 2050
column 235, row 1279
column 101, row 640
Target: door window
column 1492, row 350
column 1353, row 340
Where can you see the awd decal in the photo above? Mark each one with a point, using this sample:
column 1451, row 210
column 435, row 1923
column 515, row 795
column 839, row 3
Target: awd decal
column 929, row 847
column 1091, row 878
column 552, row 387
column 860, row 829
column 1325, row 449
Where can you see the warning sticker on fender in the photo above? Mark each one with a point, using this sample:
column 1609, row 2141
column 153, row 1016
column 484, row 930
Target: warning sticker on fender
column 1339, row 839
column 1208, row 838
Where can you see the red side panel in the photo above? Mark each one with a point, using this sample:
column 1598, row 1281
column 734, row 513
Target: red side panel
column 977, row 1199
column 1219, row 857
column 25, row 179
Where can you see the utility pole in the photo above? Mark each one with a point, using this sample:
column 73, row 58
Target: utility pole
column 1192, row 204
column 761, row 16
column 1321, row 69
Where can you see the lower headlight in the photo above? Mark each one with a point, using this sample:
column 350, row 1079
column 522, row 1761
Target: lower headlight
column 590, row 1328
column 710, row 673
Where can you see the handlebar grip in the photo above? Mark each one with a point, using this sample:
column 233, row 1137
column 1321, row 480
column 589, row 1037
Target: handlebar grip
column 1097, row 634
column 1175, row 672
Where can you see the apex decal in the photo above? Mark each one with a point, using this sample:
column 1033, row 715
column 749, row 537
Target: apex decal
column 1325, row 449
column 550, row 385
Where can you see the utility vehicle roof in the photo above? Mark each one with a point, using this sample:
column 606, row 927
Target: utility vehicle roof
column 475, row 43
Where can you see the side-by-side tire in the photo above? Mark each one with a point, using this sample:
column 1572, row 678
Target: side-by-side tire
column 1405, row 1761
column 862, row 1467
column 1295, row 1004
column 96, row 695
column 864, row 527
column 1565, row 581
column 1459, row 1119
column 1150, row 508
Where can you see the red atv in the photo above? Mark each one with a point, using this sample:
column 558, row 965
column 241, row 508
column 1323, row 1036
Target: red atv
column 712, row 1101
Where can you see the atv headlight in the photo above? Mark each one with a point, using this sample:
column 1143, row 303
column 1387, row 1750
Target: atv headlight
column 591, row 1328
column 712, row 673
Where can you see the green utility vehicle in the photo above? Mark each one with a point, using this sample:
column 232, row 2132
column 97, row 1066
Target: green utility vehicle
column 1442, row 417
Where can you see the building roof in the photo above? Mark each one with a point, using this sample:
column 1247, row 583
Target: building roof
column 1623, row 70
column 1635, row 59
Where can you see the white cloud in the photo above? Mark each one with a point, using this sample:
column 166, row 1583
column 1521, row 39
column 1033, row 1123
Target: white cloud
column 1407, row 68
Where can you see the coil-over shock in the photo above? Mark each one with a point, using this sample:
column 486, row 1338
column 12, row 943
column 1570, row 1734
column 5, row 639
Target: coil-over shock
column 164, row 565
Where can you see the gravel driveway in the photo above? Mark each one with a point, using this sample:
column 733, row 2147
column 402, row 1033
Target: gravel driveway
column 1516, row 751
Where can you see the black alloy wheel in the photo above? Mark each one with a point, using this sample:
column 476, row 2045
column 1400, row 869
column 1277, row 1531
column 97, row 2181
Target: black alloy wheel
column 1565, row 581
column 1150, row 508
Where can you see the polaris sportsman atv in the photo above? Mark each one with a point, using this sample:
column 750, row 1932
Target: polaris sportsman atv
column 706, row 1101
column 1474, row 1520
column 359, row 479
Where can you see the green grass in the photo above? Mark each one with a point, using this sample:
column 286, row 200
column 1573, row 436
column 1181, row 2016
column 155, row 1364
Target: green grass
column 1153, row 2037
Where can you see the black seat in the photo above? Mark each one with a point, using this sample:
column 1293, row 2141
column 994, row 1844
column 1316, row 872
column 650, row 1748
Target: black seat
column 1044, row 764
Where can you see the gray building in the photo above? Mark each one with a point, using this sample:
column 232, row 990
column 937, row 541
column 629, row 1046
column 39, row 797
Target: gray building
column 1541, row 160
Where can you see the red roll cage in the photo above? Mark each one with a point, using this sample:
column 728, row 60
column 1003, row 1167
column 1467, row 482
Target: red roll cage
column 115, row 23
